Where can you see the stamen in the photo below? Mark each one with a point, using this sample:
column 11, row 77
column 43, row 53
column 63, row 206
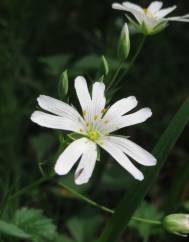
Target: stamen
column 95, row 117
column 84, row 113
column 81, row 130
column 101, row 143
column 106, row 121
column 87, row 124
column 104, row 110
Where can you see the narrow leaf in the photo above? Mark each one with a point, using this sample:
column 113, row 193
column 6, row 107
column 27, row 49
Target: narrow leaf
column 127, row 206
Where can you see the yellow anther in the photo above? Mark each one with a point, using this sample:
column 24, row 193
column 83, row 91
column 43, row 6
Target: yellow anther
column 87, row 124
column 93, row 135
column 145, row 10
column 84, row 113
column 106, row 121
column 95, row 117
column 101, row 143
column 104, row 110
column 81, row 130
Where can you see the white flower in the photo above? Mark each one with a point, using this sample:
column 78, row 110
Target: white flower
column 95, row 125
column 153, row 18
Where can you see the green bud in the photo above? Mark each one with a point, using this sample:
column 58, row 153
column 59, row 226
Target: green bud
column 105, row 65
column 177, row 224
column 63, row 85
column 124, row 43
column 103, row 69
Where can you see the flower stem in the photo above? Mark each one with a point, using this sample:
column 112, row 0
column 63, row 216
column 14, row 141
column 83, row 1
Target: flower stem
column 103, row 208
column 121, row 65
column 133, row 59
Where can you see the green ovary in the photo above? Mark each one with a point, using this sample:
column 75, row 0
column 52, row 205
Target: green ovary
column 93, row 135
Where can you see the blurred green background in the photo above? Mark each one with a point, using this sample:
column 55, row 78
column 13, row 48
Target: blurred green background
column 38, row 41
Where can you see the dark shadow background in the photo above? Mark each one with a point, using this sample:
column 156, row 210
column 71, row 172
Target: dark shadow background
column 38, row 40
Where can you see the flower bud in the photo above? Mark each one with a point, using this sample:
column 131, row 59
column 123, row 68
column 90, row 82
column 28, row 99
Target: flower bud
column 124, row 42
column 63, row 85
column 177, row 224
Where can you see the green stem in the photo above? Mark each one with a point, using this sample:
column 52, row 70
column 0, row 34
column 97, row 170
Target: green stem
column 116, row 75
column 133, row 59
column 105, row 209
column 25, row 189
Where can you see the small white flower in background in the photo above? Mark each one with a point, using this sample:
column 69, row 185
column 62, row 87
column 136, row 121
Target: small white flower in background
column 95, row 125
column 153, row 18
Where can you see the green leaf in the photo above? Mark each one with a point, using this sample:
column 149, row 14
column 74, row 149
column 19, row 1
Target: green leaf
column 63, row 85
column 55, row 64
column 62, row 238
column 146, row 211
column 91, row 63
column 83, row 227
column 33, row 222
column 42, row 145
column 133, row 198
column 13, row 230
column 186, row 205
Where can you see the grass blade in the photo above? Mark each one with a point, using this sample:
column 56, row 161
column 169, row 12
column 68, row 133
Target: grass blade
column 127, row 206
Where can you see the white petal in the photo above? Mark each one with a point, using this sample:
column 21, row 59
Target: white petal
column 178, row 19
column 98, row 98
column 58, row 107
column 138, row 117
column 151, row 23
column 155, row 6
column 55, row 122
column 134, row 151
column 70, row 156
column 118, row 6
column 162, row 13
column 132, row 6
column 87, row 164
column 128, row 120
column 122, row 159
column 121, row 107
column 136, row 10
column 83, row 93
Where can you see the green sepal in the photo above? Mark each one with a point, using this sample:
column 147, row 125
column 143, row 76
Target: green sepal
column 75, row 136
column 98, row 154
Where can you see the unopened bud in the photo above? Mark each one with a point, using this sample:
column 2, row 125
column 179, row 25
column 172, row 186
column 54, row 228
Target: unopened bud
column 177, row 224
column 124, row 42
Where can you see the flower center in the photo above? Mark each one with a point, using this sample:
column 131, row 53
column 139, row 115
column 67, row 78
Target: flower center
column 93, row 135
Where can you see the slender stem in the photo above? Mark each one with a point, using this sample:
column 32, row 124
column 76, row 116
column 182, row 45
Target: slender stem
column 116, row 75
column 144, row 220
column 133, row 59
column 103, row 208
column 25, row 189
